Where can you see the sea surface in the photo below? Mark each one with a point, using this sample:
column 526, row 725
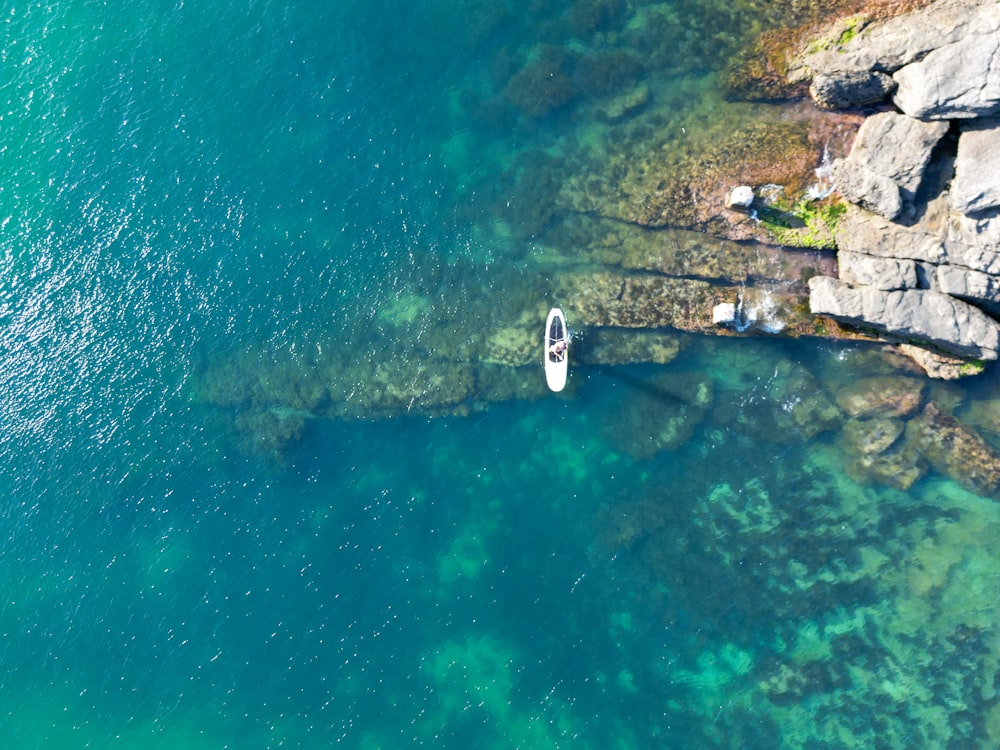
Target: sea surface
column 237, row 241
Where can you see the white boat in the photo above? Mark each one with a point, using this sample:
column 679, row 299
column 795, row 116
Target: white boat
column 556, row 350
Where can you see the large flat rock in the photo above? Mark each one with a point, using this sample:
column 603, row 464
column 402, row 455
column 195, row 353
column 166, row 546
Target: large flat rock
column 613, row 300
column 642, row 301
column 931, row 316
column 887, row 162
column 864, row 232
column 976, row 187
column 955, row 242
column 884, row 273
column 971, row 285
column 958, row 80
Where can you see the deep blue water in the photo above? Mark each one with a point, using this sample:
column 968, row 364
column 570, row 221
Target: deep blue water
column 193, row 194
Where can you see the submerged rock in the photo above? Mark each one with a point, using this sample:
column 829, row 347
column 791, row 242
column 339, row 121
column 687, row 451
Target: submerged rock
column 542, row 86
column 899, row 467
column 616, row 346
column 678, row 173
column 808, row 411
column 611, row 300
column 786, row 407
column 514, row 345
column 881, row 396
column 626, row 104
column 876, row 453
column 870, row 437
column 956, row 451
column 661, row 415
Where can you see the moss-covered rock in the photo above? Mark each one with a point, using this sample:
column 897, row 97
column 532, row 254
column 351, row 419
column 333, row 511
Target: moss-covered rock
column 543, row 84
column 956, row 451
column 605, row 72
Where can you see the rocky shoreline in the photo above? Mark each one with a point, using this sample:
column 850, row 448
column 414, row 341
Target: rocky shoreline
column 625, row 226
column 898, row 227
column 919, row 248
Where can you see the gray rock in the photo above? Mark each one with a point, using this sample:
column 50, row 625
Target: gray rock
column 975, row 257
column 983, row 232
column 882, row 273
column 850, row 89
column 889, row 45
column 866, row 188
column 972, row 285
column 948, row 323
column 870, row 437
column 898, row 147
column 979, row 232
column 863, row 232
column 889, row 148
column 624, row 105
column 976, row 187
column 881, row 396
column 958, row 80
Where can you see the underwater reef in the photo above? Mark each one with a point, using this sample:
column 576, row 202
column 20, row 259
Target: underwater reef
column 865, row 616
column 810, row 553
column 620, row 219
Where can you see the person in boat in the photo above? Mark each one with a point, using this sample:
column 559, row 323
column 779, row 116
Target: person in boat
column 558, row 350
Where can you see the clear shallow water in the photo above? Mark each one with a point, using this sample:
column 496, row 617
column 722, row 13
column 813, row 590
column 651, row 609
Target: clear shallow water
column 664, row 557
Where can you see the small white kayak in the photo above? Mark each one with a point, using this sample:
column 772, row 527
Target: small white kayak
column 556, row 350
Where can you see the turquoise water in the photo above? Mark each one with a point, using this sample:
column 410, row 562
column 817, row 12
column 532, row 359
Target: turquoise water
column 239, row 514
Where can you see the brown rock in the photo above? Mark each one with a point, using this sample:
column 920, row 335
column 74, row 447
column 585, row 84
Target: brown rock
column 876, row 453
column 608, row 299
column 898, row 467
column 938, row 365
column 881, row 396
column 954, row 450
column 870, row 437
